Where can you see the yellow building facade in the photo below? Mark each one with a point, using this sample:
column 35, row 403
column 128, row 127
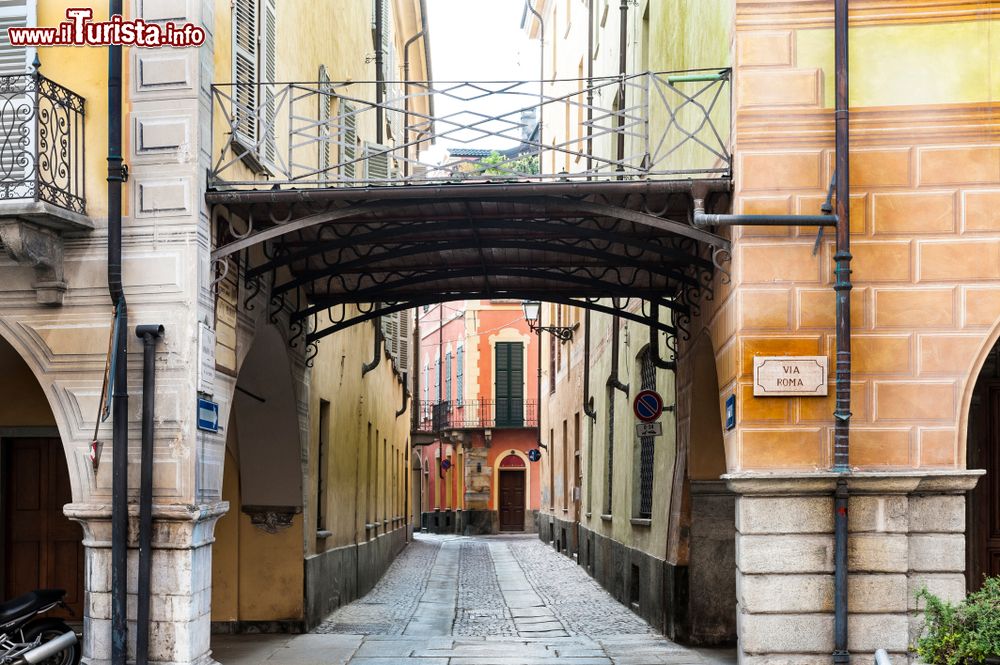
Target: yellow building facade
column 299, row 500
column 755, row 498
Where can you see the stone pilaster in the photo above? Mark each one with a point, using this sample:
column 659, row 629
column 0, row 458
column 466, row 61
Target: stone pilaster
column 180, row 583
column 906, row 531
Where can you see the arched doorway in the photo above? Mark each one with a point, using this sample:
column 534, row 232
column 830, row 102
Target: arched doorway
column 983, row 452
column 257, row 559
column 703, row 510
column 512, row 493
column 41, row 546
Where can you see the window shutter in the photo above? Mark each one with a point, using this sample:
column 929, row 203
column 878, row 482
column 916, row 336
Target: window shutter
column 376, row 159
column 348, row 141
column 245, row 72
column 404, row 341
column 323, row 130
column 13, row 61
column 269, row 68
column 437, row 379
column 460, row 375
column 447, row 377
column 516, row 393
column 390, row 331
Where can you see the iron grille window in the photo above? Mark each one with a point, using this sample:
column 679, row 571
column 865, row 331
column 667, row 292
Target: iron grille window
column 647, row 373
column 608, row 488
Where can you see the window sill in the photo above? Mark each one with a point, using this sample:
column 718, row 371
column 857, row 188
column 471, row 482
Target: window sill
column 587, row 515
column 606, row 518
column 323, row 534
column 638, row 521
column 565, row 510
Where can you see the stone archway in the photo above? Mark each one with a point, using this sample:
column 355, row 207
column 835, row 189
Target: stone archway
column 702, row 534
column 257, row 567
column 41, row 547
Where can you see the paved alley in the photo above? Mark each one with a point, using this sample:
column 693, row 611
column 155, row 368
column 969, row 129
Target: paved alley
column 447, row 600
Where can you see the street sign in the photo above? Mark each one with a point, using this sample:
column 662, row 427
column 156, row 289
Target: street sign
column 790, row 376
column 534, row 455
column 208, row 415
column 730, row 412
column 445, row 464
column 206, row 359
column 649, row 429
column 648, row 405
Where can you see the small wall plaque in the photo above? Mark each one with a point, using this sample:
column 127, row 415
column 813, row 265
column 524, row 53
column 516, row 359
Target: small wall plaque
column 790, row 376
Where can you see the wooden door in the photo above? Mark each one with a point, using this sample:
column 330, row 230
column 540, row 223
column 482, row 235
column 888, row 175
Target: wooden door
column 43, row 548
column 512, row 500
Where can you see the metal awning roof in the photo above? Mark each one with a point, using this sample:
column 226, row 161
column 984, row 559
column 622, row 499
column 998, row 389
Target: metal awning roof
column 391, row 248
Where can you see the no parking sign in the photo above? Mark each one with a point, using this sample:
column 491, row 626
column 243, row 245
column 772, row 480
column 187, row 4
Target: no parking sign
column 648, row 406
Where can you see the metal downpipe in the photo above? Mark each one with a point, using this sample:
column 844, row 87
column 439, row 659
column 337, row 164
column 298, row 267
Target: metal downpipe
column 119, row 469
column 150, row 335
column 613, row 379
column 842, row 287
column 588, row 399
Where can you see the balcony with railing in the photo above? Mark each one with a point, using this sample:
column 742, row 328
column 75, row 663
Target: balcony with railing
column 650, row 125
column 42, row 175
column 503, row 413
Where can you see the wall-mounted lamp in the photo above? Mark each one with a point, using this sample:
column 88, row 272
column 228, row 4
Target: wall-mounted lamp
column 533, row 309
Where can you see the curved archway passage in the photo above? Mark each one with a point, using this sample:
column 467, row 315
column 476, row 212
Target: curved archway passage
column 257, row 572
column 983, row 452
column 42, row 548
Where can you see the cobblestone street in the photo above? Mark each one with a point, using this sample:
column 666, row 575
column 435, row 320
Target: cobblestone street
column 502, row 600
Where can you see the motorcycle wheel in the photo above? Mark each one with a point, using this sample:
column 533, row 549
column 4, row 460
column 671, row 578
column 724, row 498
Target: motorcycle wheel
column 50, row 629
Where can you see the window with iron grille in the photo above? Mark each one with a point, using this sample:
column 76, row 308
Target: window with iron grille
column 608, row 486
column 643, row 459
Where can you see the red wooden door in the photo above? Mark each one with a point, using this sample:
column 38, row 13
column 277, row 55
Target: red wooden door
column 43, row 548
column 512, row 500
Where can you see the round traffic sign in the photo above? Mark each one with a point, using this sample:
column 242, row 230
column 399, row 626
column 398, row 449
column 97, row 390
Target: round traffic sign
column 534, row 455
column 648, row 406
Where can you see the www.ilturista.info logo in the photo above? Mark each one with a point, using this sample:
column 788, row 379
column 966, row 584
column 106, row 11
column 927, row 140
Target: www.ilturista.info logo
column 80, row 30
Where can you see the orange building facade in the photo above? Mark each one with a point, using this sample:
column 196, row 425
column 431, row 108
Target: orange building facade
column 476, row 405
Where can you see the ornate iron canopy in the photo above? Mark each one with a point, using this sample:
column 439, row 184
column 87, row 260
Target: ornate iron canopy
column 338, row 257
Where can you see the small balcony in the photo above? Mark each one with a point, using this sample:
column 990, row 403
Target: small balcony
column 42, row 176
column 42, row 143
column 503, row 413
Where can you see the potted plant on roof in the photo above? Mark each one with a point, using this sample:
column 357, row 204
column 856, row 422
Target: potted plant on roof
column 963, row 633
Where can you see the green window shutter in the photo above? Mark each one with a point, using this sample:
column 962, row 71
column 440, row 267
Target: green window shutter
column 509, row 384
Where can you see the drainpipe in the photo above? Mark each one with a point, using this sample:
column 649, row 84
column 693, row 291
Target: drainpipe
column 117, row 173
column 150, row 335
column 613, row 379
column 622, row 71
column 406, row 99
column 538, row 386
column 379, row 74
column 588, row 400
column 842, row 287
column 377, row 351
column 541, row 91
column 590, row 99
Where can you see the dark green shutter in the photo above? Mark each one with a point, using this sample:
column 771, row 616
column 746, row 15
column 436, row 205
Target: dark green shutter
column 509, row 384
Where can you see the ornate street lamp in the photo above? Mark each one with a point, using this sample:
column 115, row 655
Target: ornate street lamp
column 532, row 312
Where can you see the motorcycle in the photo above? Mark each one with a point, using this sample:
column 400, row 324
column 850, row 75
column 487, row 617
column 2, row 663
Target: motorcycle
column 26, row 638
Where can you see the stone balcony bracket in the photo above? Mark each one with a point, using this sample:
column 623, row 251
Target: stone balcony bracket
column 31, row 234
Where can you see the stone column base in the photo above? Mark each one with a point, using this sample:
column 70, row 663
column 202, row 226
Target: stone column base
column 181, row 582
column 906, row 531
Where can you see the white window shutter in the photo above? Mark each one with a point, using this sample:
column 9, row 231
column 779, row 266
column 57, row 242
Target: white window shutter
column 269, row 69
column 245, row 72
column 404, row 341
column 377, row 162
column 348, row 141
column 14, row 61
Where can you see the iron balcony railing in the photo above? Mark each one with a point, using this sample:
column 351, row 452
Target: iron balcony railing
column 434, row 417
column 649, row 125
column 42, row 142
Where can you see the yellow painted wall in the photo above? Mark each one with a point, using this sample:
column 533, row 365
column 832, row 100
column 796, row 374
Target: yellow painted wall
column 22, row 402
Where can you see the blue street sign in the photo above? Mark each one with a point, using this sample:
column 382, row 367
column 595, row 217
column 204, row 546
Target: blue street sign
column 730, row 412
column 534, row 455
column 648, row 406
column 208, row 415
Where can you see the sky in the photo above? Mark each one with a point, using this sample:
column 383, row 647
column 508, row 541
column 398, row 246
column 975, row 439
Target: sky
column 480, row 40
